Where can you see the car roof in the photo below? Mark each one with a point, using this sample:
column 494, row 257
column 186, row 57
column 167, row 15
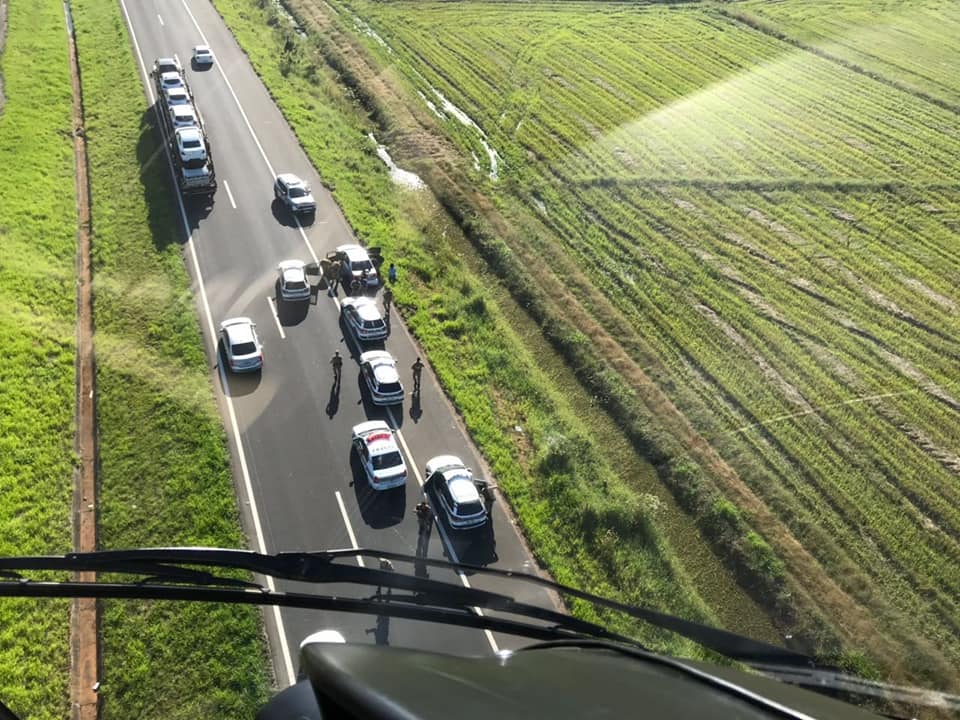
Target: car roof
column 374, row 356
column 238, row 330
column 370, row 426
column 171, row 75
column 201, row 48
column 444, row 461
column 183, row 110
column 190, row 133
column 461, row 487
column 290, row 179
column 167, row 61
column 354, row 252
column 366, row 307
column 291, row 265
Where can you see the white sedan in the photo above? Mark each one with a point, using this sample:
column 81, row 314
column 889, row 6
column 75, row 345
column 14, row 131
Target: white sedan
column 241, row 345
column 379, row 369
column 376, row 445
column 363, row 317
column 456, row 491
column 293, row 280
column 202, row 56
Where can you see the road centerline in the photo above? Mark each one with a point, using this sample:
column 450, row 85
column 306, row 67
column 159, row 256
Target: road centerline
column 226, row 187
column 276, row 317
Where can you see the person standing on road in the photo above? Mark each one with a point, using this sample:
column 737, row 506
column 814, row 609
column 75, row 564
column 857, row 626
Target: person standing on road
column 392, row 273
column 387, row 300
column 354, row 287
column 337, row 362
column 417, row 368
column 332, row 272
column 425, row 521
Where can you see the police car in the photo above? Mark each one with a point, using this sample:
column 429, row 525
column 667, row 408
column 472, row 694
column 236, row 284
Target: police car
column 456, row 491
column 376, row 445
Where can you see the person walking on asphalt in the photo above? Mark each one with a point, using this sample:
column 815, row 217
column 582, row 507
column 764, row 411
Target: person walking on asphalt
column 387, row 300
column 354, row 287
column 333, row 277
column 417, row 368
column 337, row 362
column 425, row 521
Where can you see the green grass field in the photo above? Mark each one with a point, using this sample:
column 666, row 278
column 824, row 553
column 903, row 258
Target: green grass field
column 165, row 476
column 768, row 231
column 37, row 319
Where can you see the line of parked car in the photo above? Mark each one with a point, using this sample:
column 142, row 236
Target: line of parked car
column 457, row 493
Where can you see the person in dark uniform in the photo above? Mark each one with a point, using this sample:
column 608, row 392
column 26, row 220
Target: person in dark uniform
column 337, row 362
column 417, row 368
column 387, row 300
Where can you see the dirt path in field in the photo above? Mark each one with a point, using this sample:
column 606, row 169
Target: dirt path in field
column 416, row 141
column 84, row 615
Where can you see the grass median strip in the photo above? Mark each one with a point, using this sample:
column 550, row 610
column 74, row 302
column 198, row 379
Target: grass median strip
column 165, row 476
column 37, row 334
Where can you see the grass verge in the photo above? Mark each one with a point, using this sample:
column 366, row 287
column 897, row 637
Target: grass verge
column 164, row 476
column 37, row 320
column 582, row 522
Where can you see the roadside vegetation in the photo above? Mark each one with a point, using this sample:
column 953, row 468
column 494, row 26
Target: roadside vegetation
column 164, row 472
column 583, row 521
column 37, row 332
column 744, row 246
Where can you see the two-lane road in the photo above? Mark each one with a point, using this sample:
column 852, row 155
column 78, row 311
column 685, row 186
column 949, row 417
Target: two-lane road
column 289, row 430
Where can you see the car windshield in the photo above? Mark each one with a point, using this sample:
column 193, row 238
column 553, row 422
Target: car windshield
column 386, row 461
column 679, row 280
column 244, row 348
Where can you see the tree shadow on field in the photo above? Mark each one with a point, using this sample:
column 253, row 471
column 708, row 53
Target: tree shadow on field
column 160, row 190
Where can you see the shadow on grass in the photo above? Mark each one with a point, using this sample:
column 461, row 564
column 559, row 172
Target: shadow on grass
column 378, row 508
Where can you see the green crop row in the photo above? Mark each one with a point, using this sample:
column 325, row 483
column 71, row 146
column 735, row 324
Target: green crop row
column 810, row 332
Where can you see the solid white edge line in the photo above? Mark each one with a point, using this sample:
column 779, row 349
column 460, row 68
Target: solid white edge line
column 261, row 544
column 160, row 19
column 276, row 317
column 229, row 194
column 346, row 521
column 443, row 535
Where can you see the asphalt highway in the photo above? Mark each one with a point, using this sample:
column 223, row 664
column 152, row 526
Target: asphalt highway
column 298, row 487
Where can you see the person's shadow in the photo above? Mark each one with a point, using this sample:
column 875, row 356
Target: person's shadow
column 415, row 409
column 333, row 403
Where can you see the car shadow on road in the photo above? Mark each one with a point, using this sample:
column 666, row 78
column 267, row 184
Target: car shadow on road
column 236, row 384
column 290, row 312
column 378, row 508
column 477, row 546
column 283, row 215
